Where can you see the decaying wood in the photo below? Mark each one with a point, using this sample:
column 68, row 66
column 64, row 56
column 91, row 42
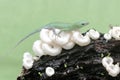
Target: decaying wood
column 79, row 63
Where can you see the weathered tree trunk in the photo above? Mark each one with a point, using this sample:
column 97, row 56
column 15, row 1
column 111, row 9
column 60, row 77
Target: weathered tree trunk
column 79, row 63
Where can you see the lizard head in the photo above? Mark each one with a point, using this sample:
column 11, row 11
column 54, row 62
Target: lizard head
column 82, row 23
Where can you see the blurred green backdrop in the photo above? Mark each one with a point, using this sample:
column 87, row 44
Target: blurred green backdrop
column 20, row 17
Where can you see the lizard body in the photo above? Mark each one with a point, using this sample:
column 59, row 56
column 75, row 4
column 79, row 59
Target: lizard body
column 57, row 25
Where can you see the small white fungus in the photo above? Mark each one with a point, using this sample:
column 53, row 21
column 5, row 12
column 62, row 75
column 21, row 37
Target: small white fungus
column 27, row 55
column 27, row 60
column 69, row 45
column 107, row 36
column 49, row 71
column 113, row 70
column 107, row 61
column 52, row 50
column 61, row 38
column 115, row 32
column 37, row 48
column 93, row 34
column 44, row 36
column 80, row 39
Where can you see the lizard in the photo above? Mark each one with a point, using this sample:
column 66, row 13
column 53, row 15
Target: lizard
column 57, row 25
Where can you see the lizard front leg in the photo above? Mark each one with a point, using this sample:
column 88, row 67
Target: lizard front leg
column 56, row 33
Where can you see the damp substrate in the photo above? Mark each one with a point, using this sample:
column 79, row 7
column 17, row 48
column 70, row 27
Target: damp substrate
column 78, row 63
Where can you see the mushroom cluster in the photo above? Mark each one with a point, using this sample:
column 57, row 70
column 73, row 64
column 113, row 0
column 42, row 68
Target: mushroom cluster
column 114, row 32
column 113, row 70
column 51, row 43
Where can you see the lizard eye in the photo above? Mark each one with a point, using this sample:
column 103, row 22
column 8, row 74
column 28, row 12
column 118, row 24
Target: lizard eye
column 82, row 24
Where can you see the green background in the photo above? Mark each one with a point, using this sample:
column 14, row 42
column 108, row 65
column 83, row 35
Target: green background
column 20, row 17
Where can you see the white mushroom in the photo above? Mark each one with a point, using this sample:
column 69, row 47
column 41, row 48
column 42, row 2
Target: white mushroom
column 107, row 36
column 49, row 71
column 44, row 36
column 61, row 38
column 115, row 33
column 93, row 34
column 51, row 49
column 80, row 39
column 110, row 32
column 37, row 48
column 27, row 55
column 107, row 61
column 27, row 60
column 69, row 45
column 113, row 70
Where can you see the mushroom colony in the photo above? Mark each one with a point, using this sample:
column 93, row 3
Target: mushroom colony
column 52, row 45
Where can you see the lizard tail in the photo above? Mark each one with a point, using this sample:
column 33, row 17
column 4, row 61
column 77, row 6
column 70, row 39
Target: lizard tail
column 19, row 42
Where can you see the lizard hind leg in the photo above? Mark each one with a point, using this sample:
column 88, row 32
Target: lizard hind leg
column 56, row 32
